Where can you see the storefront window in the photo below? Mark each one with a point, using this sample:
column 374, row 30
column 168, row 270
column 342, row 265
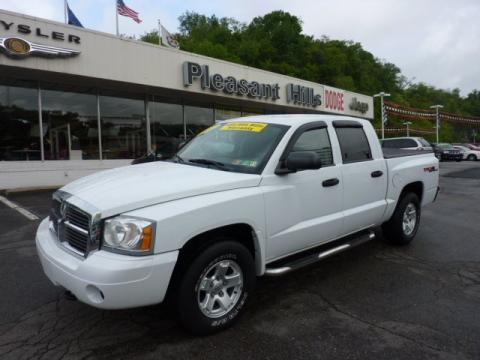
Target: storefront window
column 19, row 124
column 70, row 125
column 166, row 128
column 252, row 112
column 123, row 128
column 197, row 119
column 226, row 114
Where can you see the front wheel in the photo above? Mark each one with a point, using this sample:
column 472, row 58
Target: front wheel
column 471, row 157
column 214, row 289
column 404, row 223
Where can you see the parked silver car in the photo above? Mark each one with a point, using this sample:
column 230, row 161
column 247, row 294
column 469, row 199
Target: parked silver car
column 468, row 154
column 410, row 143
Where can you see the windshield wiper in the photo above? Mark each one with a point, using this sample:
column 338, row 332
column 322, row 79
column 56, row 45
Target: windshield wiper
column 217, row 164
column 178, row 158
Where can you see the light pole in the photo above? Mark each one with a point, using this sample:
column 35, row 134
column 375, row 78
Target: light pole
column 437, row 118
column 382, row 108
column 408, row 123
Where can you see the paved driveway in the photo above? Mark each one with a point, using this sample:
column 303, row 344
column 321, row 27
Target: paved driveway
column 374, row 302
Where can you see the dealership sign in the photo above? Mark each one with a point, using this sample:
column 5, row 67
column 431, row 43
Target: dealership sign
column 303, row 95
column 228, row 84
column 296, row 94
column 27, row 29
column 319, row 97
column 17, row 47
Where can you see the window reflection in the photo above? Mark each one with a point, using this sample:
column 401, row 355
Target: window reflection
column 252, row 112
column 70, row 125
column 166, row 128
column 19, row 124
column 123, row 128
column 226, row 114
column 197, row 119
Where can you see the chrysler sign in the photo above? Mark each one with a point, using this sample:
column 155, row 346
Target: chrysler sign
column 17, row 47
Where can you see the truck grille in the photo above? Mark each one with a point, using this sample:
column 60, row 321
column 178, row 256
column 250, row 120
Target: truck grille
column 77, row 217
column 72, row 226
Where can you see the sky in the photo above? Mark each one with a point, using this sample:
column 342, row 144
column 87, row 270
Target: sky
column 431, row 41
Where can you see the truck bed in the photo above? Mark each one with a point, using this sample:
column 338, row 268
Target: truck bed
column 390, row 153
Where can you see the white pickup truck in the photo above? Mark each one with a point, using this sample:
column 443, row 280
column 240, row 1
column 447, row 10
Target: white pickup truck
column 256, row 196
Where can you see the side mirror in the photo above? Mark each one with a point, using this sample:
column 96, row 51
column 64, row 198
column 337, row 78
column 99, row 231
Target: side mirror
column 301, row 160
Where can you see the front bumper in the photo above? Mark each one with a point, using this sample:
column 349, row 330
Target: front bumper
column 106, row 280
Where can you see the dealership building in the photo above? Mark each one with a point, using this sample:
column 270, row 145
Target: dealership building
column 74, row 101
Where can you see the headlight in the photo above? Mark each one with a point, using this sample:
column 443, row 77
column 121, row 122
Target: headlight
column 130, row 235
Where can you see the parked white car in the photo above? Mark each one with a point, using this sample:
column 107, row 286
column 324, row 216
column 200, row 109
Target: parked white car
column 255, row 196
column 468, row 154
column 409, row 143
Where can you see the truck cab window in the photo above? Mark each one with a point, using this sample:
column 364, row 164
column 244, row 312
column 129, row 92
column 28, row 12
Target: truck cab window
column 316, row 140
column 353, row 144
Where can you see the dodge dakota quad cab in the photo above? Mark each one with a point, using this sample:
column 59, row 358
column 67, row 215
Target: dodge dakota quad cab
column 255, row 196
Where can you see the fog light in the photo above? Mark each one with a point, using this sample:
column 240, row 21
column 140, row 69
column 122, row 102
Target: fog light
column 94, row 294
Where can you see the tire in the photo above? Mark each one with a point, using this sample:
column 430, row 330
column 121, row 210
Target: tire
column 472, row 157
column 202, row 281
column 395, row 231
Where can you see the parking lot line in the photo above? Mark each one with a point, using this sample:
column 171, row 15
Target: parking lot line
column 18, row 208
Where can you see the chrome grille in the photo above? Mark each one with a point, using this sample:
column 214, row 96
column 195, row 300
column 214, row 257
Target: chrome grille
column 76, row 239
column 77, row 228
column 77, row 217
column 73, row 226
column 55, row 216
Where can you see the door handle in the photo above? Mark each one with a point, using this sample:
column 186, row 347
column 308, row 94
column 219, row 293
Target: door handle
column 377, row 173
column 330, row 182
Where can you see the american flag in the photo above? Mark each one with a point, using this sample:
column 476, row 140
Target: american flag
column 124, row 10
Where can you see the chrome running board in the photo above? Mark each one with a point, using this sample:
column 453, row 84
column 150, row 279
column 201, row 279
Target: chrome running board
column 297, row 261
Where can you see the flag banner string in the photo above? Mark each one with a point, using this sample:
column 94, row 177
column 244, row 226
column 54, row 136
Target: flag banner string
column 404, row 112
column 402, row 130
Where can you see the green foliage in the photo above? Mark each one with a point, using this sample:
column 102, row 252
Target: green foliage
column 275, row 42
column 151, row 37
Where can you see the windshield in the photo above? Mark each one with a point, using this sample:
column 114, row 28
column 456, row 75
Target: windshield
column 234, row 146
column 445, row 146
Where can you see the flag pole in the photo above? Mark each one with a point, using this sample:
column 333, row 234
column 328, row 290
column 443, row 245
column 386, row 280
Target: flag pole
column 116, row 17
column 65, row 6
column 159, row 33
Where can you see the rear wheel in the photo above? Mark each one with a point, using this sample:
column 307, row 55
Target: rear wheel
column 214, row 289
column 404, row 223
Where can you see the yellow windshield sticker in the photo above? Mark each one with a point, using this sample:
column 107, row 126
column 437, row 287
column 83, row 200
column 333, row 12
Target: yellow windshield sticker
column 209, row 129
column 244, row 126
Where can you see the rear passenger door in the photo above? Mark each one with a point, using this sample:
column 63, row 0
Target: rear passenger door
column 364, row 178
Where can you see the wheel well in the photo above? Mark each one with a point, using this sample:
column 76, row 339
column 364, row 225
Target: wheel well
column 415, row 187
column 243, row 233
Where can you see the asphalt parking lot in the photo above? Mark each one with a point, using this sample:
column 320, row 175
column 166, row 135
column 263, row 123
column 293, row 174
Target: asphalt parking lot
column 373, row 302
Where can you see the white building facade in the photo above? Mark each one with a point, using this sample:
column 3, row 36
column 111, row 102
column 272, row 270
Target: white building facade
column 74, row 101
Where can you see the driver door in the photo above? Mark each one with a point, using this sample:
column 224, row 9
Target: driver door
column 304, row 209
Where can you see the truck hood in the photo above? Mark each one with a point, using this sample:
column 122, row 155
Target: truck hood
column 131, row 187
